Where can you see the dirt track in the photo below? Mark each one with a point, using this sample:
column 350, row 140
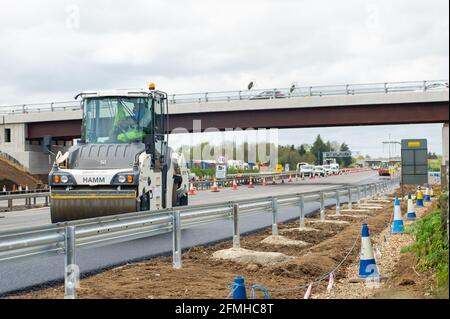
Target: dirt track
column 203, row 277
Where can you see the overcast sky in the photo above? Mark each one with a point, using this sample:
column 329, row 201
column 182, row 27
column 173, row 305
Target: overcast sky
column 51, row 50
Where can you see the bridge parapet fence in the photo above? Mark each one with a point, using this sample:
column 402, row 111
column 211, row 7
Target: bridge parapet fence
column 254, row 94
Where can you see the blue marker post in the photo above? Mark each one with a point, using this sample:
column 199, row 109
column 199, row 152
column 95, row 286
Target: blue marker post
column 239, row 291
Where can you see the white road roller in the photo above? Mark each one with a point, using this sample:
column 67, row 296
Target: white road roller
column 122, row 163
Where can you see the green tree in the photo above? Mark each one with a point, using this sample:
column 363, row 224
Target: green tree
column 302, row 150
column 346, row 161
column 318, row 148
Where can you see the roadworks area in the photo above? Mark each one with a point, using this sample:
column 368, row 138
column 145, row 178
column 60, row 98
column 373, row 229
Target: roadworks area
column 285, row 264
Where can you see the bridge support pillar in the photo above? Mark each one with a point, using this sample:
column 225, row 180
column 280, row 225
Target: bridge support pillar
column 445, row 143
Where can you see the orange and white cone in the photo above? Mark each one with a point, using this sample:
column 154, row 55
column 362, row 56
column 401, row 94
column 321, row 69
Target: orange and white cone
column 234, row 187
column 192, row 190
column 250, row 184
column 264, row 182
column 290, row 179
column 215, row 188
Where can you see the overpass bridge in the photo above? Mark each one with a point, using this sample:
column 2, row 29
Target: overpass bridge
column 24, row 126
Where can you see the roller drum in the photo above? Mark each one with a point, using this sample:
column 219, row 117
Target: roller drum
column 72, row 205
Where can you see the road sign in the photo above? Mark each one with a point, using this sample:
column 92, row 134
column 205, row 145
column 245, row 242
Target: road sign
column 337, row 154
column 221, row 171
column 414, row 161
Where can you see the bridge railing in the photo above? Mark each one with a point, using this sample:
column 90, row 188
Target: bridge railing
column 255, row 94
column 307, row 91
column 64, row 238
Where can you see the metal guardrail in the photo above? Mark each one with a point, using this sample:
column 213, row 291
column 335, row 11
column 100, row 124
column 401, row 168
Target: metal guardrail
column 268, row 177
column 244, row 178
column 28, row 196
column 64, row 238
column 254, row 94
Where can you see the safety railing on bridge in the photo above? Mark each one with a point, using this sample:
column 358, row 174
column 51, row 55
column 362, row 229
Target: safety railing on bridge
column 255, row 94
column 64, row 238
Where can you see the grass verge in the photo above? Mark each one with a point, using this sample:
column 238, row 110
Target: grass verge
column 431, row 249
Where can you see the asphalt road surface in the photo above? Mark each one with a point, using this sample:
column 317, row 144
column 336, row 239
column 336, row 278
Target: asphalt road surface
column 18, row 275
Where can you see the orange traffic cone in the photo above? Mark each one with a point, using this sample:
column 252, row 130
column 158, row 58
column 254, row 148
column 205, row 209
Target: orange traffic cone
column 250, row 184
column 192, row 190
column 14, row 188
column 234, row 187
column 215, row 188
column 290, row 179
column 264, row 182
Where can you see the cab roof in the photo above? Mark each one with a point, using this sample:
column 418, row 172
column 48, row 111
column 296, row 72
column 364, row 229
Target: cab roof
column 120, row 93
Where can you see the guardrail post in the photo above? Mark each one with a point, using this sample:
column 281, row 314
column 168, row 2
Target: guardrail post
column 10, row 204
column 322, row 206
column 338, row 203
column 46, row 201
column 236, row 233
column 176, row 240
column 274, row 217
column 358, row 198
column 302, row 211
column 366, row 193
column 350, row 206
column 71, row 272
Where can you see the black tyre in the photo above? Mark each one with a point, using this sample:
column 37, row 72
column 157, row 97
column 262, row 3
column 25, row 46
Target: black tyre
column 145, row 202
column 184, row 200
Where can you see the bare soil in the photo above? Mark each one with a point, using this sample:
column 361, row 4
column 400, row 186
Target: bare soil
column 204, row 277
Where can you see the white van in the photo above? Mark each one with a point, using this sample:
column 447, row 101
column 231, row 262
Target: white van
column 334, row 169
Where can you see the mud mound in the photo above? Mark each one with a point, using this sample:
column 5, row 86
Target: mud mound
column 13, row 174
column 307, row 266
column 245, row 256
column 283, row 241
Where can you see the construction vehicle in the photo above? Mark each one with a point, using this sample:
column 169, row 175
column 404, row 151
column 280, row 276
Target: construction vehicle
column 122, row 163
column 384, row 169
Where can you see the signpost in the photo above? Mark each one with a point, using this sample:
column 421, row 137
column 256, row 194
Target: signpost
column 337, row 154
column 221, row 168
column 414, row 162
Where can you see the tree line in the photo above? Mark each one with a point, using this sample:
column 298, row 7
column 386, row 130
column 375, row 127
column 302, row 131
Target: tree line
column 287, row 154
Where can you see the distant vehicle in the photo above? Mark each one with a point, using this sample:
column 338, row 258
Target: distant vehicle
column 327, row 169
column 319, row 171
column 307, row 170
column 335, row 168
column 383, row 170
column 329, row 161
column 437, row 86
column 238, row 164
column 267, row 95
column 299, row 165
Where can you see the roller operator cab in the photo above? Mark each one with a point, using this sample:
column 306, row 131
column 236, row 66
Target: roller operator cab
column 122, row 163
